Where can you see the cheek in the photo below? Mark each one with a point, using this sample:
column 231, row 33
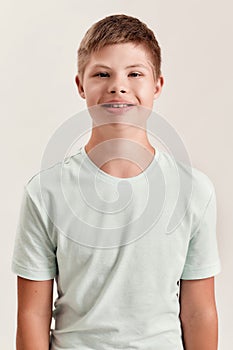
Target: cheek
column 92, row 91
column 146, row 91
column 94, row 86
column 151, row 90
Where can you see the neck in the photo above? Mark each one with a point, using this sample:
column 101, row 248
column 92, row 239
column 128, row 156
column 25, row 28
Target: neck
column 124, row 151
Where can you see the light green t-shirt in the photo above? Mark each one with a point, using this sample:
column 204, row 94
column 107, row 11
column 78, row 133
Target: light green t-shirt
column 117, row 249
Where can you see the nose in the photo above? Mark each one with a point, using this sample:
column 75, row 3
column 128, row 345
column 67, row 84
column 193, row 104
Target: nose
column 117, row 85
column 114, row 91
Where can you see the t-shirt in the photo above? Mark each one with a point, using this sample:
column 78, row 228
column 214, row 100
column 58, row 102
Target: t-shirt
column 117, row 248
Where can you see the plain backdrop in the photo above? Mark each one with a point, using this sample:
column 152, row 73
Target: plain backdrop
column 39, row 40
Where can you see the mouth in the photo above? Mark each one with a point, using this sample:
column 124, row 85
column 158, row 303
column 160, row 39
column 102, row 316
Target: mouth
column 117, row 108
column 117, row 105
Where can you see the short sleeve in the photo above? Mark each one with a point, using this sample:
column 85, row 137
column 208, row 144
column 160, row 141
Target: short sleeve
column 34, row 255
column 202, row 260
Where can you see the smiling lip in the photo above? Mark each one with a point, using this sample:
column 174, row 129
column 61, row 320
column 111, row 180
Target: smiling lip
column 117, row 105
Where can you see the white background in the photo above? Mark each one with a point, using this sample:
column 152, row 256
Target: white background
column 39, row 40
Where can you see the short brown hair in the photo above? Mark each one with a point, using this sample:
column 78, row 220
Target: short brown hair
column 118, row 29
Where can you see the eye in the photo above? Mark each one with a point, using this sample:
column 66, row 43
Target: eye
column 102, row 75
column 135, row 74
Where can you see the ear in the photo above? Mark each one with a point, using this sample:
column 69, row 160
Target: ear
column 158, row 87
column 80, row 86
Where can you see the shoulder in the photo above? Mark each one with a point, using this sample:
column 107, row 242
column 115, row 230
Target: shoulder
column 49, row 183
column 43, row 182
column 195, row 187
column 202, row 185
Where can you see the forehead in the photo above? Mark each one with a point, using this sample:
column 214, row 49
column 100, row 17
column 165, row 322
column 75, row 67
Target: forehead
column 121, row 54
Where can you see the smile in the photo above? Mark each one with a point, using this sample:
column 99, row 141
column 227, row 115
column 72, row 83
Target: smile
column 118, row 105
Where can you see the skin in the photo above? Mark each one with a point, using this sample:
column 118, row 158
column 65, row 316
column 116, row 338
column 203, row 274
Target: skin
column 198, row 314
column 34, row 314
column 197, row 301
column 121, row 71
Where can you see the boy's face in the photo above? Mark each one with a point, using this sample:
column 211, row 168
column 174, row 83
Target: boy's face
column 120, row 73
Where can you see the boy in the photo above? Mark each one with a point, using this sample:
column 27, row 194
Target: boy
column 126, row 296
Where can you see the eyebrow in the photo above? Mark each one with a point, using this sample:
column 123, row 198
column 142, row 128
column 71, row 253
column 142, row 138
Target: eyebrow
column 131, row 66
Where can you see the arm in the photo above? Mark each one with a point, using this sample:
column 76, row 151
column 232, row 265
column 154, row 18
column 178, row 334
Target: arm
column 34, row 314
column 198, row 314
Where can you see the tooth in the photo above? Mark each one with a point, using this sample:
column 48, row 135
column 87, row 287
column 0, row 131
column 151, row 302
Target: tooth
column 119, row 105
